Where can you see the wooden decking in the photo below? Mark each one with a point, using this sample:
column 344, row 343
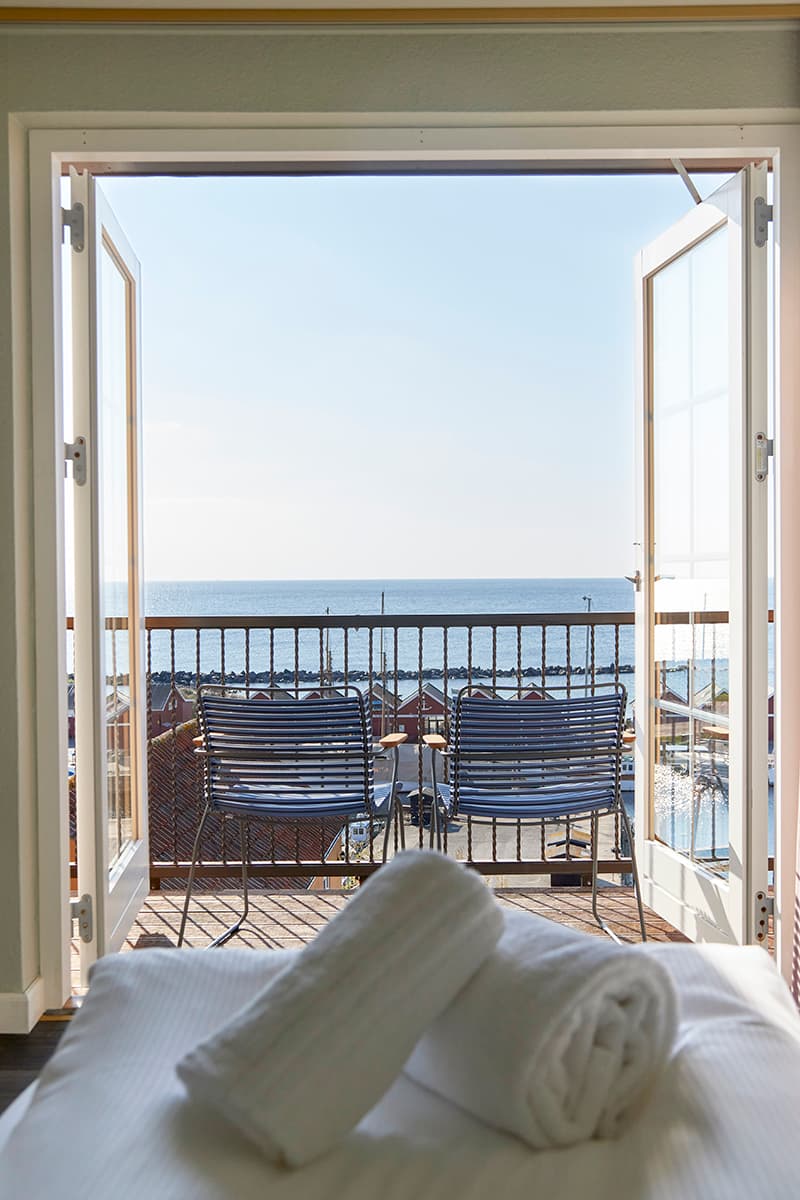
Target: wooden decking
column 283, row 919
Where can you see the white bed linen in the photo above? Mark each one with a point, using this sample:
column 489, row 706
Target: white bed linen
column 109, row 1116
column 11, row 1116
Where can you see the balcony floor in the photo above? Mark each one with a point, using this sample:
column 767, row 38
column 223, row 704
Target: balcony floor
column 283, row 919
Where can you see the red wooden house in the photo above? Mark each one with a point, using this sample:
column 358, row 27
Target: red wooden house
column 422, row 712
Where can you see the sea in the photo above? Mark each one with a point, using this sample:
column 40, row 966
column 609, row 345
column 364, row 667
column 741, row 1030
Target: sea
column 367, row 597
column 313, row 597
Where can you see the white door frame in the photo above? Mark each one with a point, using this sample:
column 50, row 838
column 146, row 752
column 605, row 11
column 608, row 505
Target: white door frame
column 214, row 141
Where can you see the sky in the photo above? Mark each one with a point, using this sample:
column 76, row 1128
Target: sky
column 397, row 377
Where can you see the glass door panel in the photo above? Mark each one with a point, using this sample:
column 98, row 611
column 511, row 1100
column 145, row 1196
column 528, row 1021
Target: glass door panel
column 701, row 611
column 116, row 371
column 113, row 851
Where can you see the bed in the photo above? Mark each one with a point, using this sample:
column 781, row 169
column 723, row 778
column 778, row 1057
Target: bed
column 108, row 1115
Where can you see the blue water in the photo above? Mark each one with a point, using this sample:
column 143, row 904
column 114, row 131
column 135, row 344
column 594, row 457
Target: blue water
column 344, row 597
column 347, row 598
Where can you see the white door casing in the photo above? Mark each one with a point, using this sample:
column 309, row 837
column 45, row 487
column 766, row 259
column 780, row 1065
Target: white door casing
column 42, row 144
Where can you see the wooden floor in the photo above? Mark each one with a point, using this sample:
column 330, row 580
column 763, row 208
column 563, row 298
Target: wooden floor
column 282, row 919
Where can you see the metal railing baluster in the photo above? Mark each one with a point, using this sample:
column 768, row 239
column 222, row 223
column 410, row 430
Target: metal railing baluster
column 173, row 747
column 421, row 730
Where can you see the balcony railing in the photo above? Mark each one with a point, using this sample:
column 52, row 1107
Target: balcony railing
column 408, row 668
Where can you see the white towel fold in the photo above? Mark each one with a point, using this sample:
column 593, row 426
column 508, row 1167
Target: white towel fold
column 557, row 1038
column 301, row 1064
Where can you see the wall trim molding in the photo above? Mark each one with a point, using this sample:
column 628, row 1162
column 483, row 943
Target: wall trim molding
column 19, row 1011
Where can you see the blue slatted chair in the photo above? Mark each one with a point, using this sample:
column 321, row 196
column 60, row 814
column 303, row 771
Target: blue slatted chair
column 530, row 760
column 269, row 758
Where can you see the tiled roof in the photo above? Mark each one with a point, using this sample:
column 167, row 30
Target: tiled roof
column 159, row 695
column 176, row 801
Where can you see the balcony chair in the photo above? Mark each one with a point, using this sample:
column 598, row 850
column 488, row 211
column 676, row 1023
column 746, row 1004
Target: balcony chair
column 534, row 760
column 277, row 759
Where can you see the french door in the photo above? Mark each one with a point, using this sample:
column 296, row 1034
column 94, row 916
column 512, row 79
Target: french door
column 110, row 722
column 702, row 599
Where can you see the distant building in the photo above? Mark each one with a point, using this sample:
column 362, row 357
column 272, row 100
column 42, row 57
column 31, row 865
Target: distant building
column 424, row 711
column 271, row 693
column 385, row 703
column 168, row 707
column 322, row 693
column 712, row 698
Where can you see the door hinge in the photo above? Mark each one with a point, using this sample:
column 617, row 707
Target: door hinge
column 75, row 453
column 764, row 449
column 81, row 911
column 762, row 216
column 72, row 219
column 763, row 909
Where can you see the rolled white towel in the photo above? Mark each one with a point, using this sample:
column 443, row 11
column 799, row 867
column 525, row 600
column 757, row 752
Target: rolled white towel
column 301, row 1064
column 557, row 1038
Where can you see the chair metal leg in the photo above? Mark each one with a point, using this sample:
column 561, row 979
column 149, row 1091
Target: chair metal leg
column 595, row 855
column 395, row 814
column 386, row 832
column 237, row 925
column 637, row 887
column 435, row 825
column 190, row 880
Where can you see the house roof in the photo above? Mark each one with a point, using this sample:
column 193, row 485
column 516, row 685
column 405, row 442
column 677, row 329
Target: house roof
column 159, row 696
column 326, row 693
column 381, row 696
column 428, row 692
column 710, row 695
column 117, row 702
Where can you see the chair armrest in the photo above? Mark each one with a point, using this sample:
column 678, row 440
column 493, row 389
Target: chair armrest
column 391, row 740
column 435, row 741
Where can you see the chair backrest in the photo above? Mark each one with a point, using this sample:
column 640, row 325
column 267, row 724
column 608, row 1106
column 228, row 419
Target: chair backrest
column 558, row 755
column 304, row 751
